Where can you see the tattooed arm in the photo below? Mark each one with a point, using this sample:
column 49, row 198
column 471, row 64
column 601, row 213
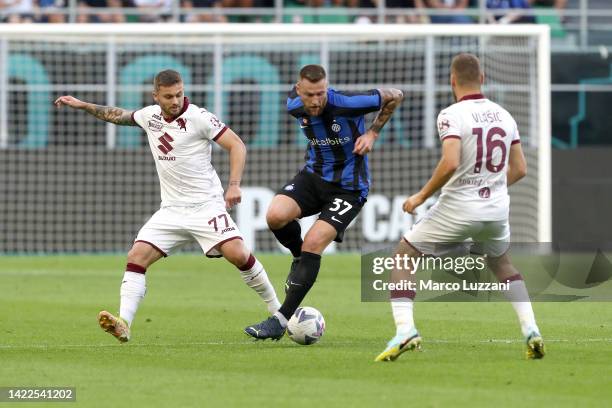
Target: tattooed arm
column 389, row 100
column 110, row 114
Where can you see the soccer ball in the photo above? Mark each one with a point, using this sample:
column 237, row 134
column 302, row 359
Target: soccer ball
column 306, row 326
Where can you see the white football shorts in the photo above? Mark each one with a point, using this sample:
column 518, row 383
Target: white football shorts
column 439, row 233
column 171, row 227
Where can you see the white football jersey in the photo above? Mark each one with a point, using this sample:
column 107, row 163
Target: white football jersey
column 182, row 153
column 478, row 190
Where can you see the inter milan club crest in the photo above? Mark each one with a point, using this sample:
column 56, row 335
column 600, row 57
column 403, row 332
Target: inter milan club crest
column 304, row 122
column 335, row 127
column 182, row 124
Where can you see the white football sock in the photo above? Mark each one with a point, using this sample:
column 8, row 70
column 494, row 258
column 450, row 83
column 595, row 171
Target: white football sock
column 133, row 289
column 518, row 296
column 257, row 279
column 402, row 314
column 282, row 319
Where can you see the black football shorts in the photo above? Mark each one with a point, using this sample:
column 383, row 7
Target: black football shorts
column 337, row 206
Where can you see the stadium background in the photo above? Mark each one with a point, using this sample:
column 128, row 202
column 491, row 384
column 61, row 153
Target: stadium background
column 74, row 184
column 70, row 185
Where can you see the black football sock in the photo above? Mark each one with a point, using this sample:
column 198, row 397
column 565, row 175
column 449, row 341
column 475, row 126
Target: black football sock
column 305, row 277
column 290, row 236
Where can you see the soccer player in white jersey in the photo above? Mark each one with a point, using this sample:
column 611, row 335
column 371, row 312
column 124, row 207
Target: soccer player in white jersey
column 193, row 205
column 481, row 156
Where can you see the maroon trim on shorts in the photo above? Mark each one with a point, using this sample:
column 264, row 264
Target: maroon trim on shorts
column 472, row 96
column 516, row 141
column 154, row 246
column 249, row 264
column 220, row 133
column 451, row 137
column 218, row 245
column 132, row 267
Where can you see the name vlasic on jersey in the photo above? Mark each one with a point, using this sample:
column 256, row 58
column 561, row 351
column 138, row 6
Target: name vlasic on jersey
column 478, row 189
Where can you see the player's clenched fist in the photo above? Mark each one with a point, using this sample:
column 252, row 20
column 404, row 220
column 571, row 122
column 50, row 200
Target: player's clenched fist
column 69, row 101
column 412, row 203
column 233, row 196
column 364, row 143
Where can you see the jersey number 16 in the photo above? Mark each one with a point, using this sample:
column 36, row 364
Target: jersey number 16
column 491, row 144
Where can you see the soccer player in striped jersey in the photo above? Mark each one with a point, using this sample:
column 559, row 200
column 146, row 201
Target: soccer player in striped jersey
column 334, row 183
column 481, row 156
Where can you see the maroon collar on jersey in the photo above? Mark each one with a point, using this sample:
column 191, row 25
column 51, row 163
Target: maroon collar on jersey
column 185, row 106
column 472, row 96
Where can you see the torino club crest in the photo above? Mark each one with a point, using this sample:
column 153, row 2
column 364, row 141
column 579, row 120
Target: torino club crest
column 182, row 123
column 443, row 125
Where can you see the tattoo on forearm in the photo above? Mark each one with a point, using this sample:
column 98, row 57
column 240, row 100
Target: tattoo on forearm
column 110, row 114
column 391, row 98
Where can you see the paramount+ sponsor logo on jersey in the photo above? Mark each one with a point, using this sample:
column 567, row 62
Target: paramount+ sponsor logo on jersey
column 339, row 141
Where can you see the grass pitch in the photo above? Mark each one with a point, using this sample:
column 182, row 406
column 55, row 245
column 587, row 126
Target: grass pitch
column 188, row 349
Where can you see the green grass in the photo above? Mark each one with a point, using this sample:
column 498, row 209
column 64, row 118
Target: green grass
column 188, row 349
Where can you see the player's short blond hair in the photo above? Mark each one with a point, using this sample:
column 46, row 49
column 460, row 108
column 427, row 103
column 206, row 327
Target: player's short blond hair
column 167, row 77
column 466, row 69
column 313, row 73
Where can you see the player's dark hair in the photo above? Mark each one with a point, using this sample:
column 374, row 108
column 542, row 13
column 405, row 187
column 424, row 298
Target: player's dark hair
column 313, row 73
column 466, row 68
column 167, row 77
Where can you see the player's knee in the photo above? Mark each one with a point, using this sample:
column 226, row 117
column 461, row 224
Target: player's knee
column 315, row 244
column 239, row 259
column 406, row 248
column 137, row 256
column 497, row 262
column 501, row 266
column 235, row 252
column 276, row 219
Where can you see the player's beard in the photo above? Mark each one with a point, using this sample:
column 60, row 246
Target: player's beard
column 315, row 111
column 173, row 112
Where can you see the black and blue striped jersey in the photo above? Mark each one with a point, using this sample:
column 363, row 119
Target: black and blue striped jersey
column 332, row 137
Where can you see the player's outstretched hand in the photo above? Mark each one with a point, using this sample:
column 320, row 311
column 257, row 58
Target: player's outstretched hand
column 364, row 143
column 412, row 203
column 69, row 101
column 233, row 196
